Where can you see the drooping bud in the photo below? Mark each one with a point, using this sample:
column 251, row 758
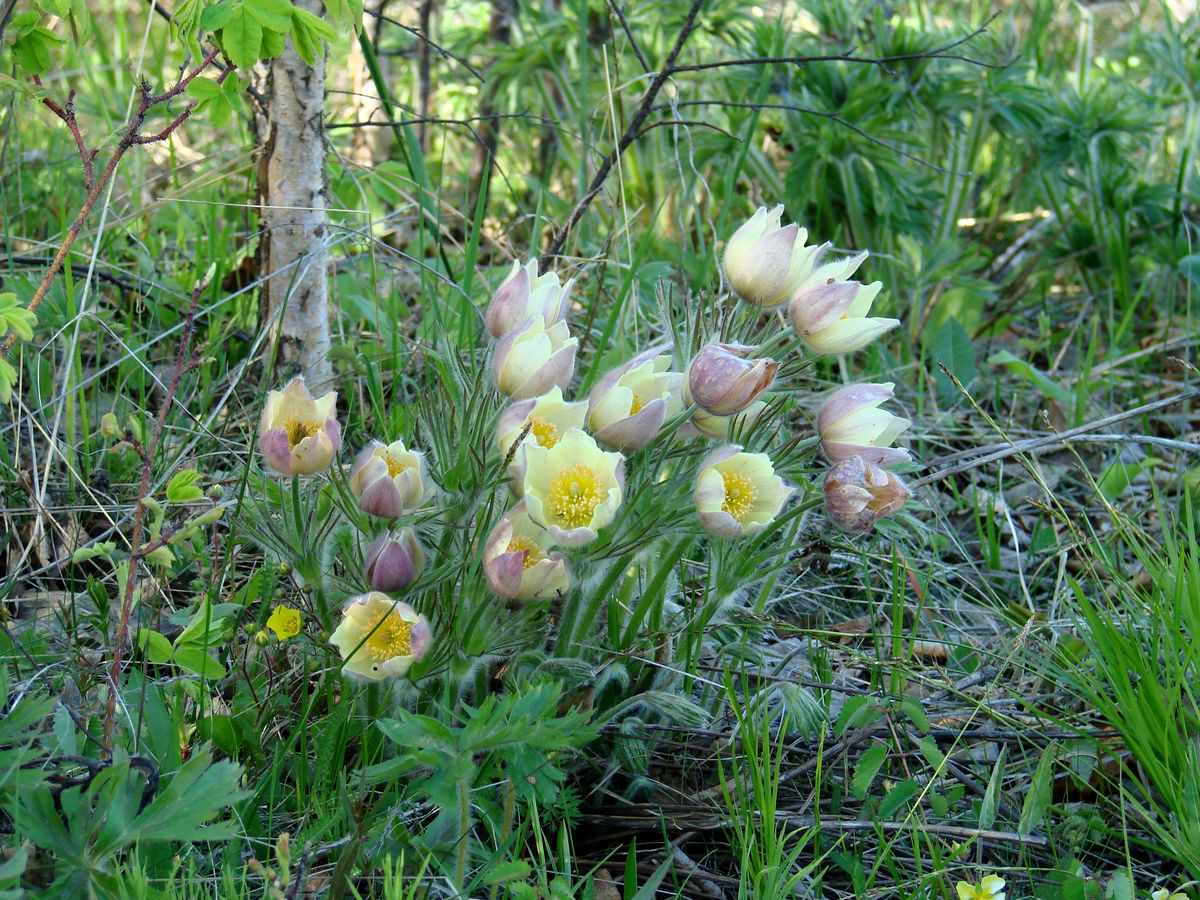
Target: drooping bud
column 394, row 562
column 722, row 383
column 850, row 424
column 764, row 262
column 859, row 493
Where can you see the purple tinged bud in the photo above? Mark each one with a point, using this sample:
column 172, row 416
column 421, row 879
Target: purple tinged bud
column 722, row 383
column 859, row 493
column 394, row 562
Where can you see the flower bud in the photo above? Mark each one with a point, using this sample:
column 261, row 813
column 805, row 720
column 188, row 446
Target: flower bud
column 389, row 480
column 628, row 406
column 738, row 493
column 720, row 427
column 764, row 262
column 394, row 562
column 525, row 294
column 517, row 562
column 829, row 312
column 298, row 435
column 379, row 637
column 110, row 428
column 851, row 424
column 722, row 383
column 533, row 358
column 859, row 493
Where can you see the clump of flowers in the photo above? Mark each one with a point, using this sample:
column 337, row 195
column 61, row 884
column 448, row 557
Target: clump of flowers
column 579, row 473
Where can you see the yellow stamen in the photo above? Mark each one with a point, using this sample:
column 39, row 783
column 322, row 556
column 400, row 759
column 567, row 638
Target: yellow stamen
column 574, row 495
column 395, row 466
column 298, row 431
column 544, row 432
column 739, row 495
column 533, row 553
column 392, row 637
column 637, row 405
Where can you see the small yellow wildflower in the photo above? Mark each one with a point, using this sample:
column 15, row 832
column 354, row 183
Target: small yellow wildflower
column 285, row 622
column 990, row 888
column 1164, row 894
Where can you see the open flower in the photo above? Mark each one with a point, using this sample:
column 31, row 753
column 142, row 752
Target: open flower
column 517, row 560
column 548, row 418
column 829, row 312
column 525, row 294
column 298, row 435
column 534, row 357
column 859, row 493
column 379, row 637
column 850, row 423
column 722, row 383
column 719, row 427
column 394, row 562
column 738, row 493
column 285, row 622
column 628, row 405
column 574, row 488
column 990, row 888
column 764, row 262
column 389, row 479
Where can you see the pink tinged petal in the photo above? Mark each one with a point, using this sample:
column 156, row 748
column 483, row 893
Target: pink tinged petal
column 720, row 524
column 610, row 378
column 724, row 384
column 555, row 372
column 390, row 566
column 509, row 306
column 420, row 638
column 636, row 431
column 381, row 497
column 880, row 456
column 819, row 306
column 276, row 452
column 313, row 454
column 333, row 428
column 359, row 471
column 847, row 399
column 769, row 268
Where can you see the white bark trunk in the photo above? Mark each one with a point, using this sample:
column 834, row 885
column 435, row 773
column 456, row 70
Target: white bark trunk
column 293, row 192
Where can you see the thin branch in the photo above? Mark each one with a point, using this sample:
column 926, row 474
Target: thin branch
column 445, row 54
column 631, row 133
column 637, row 50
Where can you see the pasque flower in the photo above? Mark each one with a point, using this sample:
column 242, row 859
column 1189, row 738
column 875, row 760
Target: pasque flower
column 547, row 417
column 722, row 382
column 850, row 423
column 393, row 562
column 574, row 488
column 859, row 493
column 628, row 406
column 533, row 358
column 990, row 888
column 829, row 312
column 298, row 435
column 766, row 262
column 379, row 637
column 738, row 493
column 525, row 294
column 389, row 479
column 518, row 562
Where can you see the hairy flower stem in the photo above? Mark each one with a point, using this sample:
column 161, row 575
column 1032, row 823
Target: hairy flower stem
column 464, row 832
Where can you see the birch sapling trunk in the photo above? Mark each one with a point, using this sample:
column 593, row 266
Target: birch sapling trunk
column 293, row 196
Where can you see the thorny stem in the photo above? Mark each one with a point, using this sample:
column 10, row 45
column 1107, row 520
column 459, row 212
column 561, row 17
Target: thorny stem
column 131, row 136
column 137, row 552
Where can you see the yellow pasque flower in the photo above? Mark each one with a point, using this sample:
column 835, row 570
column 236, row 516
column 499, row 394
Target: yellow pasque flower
column 738, row 493
column 379, row 637
column 829, row 311
column 525, row 294
column 574, row 488
column 628, row 405
column 389, row 479
column 549, row 417
column 298, row 435
column 518, row 562
column 765, row 261
column 991, row 887
column 285, row 622
column 534, row 357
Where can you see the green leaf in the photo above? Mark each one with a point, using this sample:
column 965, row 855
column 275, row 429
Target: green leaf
column 102, row 549
column 896, row 798
column 8, row 377
column 1037, row 801
column 867, row 768
column 272, row 44
column 32, row 49
column 242, row 38
column 320, row 29
column 275, row 15
column 856, row 713
column 204, row 89
column 198, row 661
column 1034, row 376
column 156, row 647
column 182, row 487
column 929, row 750
column 217, row 16
column 953, row 349
column 916, row 714
column 991, row 797
column 505, row 871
